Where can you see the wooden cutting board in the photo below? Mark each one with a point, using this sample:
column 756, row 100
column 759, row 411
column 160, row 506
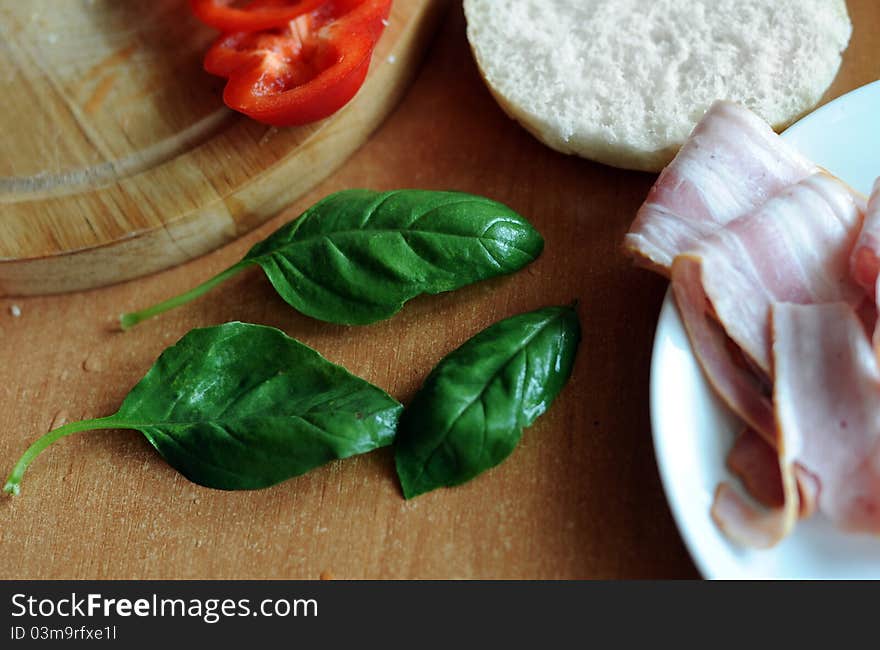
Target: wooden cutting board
column 117, row 157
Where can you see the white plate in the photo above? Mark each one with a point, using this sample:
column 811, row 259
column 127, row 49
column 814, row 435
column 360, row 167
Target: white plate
column 693, row 431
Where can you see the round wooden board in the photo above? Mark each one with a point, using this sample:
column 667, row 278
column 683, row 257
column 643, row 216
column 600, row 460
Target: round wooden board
column 117, row 158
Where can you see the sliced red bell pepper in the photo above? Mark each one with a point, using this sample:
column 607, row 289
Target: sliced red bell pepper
column 304, row 71
column 251, row 16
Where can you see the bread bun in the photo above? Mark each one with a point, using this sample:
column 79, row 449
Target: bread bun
column 624, row 81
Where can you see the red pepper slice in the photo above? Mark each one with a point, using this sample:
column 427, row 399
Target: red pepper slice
column 304, row 71
column 252, row 16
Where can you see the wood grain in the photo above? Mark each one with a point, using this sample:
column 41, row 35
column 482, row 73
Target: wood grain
column 580, row 498
column 117, row 156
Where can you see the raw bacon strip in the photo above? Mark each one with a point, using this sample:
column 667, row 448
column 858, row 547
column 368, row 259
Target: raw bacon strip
column 756, row 464
column 827, row 396
column 749, row 525
column 808, row 490
column 741, row 389
column 866, row 255
column 794, row 248
column 732, row 163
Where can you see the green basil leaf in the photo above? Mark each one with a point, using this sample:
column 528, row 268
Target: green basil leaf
column 357, row 256
column 471, row 410
column 242, row 406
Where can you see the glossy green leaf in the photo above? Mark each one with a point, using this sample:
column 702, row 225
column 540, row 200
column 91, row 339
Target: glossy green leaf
column 470, row 413
column 357, row 256
column 242, row 406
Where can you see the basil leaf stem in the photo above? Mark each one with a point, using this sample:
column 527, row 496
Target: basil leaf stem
column 13, row 483
column 127, row 321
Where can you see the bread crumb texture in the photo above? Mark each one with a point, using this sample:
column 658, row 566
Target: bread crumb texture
column 625, row 81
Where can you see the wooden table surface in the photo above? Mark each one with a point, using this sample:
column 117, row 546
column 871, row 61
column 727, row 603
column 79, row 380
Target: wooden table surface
column 579, row 498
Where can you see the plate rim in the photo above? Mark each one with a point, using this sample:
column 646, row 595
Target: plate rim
column 675, row 506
